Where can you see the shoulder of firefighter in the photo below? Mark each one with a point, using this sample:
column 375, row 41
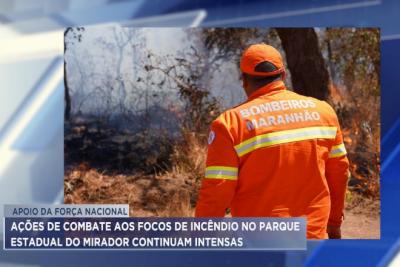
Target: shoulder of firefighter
column 279, row 154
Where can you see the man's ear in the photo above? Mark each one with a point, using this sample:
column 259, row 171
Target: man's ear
column 283, row 76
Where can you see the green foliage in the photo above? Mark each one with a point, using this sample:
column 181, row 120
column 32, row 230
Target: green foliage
column 230, row 42
column 227, row 44
column 356, row 54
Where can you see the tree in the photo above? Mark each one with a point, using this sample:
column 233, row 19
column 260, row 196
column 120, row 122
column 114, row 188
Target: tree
column 304, row 58
column 355, row 53
column 185, row 74
column 355, row 60
column 76, row 34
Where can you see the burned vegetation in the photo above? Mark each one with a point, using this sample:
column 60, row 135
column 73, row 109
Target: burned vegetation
column 138, row 119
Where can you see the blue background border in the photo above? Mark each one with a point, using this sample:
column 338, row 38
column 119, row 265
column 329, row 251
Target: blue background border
column 43, row 188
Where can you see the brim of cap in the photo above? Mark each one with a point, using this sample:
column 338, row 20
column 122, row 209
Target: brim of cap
column 263, row 74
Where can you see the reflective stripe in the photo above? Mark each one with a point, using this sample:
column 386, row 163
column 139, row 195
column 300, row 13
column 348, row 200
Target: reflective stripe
column 221, row 172
column 281, row 137
column 337, row 151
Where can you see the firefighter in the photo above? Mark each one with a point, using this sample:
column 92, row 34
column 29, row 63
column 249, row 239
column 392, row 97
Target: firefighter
column 278, row 154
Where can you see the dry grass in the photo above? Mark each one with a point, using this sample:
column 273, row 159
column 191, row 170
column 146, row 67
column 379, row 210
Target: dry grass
column 190, row 155
column 360, row 204
column 147, row 196
column 169, row 194
column 172, row 193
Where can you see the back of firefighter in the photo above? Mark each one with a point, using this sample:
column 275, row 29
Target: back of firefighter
column 279, row 154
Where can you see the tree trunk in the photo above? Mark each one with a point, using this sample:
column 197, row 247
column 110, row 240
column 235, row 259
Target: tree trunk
column 307, row 68
column 67, row 111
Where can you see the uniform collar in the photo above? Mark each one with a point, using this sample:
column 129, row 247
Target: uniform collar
column 273, row 86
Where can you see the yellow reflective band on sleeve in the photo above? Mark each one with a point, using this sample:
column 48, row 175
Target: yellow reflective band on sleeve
column 337, row 151
column 221, row 172
column 282, row 137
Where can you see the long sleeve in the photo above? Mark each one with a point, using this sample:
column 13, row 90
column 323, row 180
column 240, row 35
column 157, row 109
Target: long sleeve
column 221, row 174
column 337, row 173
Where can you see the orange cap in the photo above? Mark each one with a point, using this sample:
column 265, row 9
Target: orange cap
column 258, row 53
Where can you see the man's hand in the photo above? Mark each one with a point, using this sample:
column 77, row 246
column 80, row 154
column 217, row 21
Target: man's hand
column 334, row 232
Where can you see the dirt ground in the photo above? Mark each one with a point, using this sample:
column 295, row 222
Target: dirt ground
column 360, row 226
column 361, row 219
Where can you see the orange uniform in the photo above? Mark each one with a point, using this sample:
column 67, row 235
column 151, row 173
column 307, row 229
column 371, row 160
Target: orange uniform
column 279, row 154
